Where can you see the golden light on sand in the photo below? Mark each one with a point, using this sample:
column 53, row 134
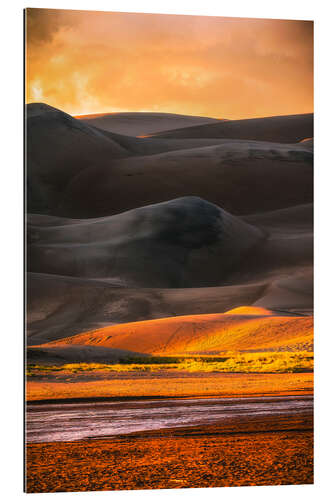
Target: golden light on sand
column 95, row 62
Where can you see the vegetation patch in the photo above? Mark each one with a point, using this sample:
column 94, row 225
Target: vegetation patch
column 267, row 362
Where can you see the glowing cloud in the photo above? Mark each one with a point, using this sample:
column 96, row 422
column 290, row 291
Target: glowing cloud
column 91, row 62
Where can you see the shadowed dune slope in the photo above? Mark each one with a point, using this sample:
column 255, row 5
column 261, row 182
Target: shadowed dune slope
column 293, row 293
column 145, row 146
column 136, row 124
column 58, row 147
column 292, row 219
column 242, row 177
column 203, row 334
column 78, row 354
column 40, row 220
column 186, row 242
column 290, row 128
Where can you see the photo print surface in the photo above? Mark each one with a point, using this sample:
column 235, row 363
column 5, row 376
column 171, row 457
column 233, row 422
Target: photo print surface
column 169, row 251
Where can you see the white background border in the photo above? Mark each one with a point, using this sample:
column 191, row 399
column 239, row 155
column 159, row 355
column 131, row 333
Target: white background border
column 11, row 210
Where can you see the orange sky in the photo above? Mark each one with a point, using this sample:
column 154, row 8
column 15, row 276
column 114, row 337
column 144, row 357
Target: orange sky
column 94, row 62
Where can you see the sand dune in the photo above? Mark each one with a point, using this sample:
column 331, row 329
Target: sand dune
column 58, row 147
column 80, row 171
column 242, row 177
column 40, row 220
column 203, row 334
column 291, row 219
column 181, row 243
column 291, row 128
column 61, row 306
column 146, row 146
column 277, row 274
column 251, row 311
column 293, row 293
column 136, row 124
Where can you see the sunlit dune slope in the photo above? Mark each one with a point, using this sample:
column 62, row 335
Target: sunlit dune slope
column 250, row 311
column 185, row 242
column 207, row 333
column 290, row 128
column 135, row 124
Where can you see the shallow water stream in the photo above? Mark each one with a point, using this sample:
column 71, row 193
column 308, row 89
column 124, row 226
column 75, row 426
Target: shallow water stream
column 76, row 421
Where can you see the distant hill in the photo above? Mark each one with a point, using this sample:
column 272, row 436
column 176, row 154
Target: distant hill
column 283, row 129
column 139, row 124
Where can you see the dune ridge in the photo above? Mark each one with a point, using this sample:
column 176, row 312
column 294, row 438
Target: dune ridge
column 290, row 128
column 140, row 123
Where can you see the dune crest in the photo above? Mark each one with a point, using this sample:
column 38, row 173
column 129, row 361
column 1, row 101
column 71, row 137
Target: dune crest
column 287, row 129
column 142, row 123
column 251, row 311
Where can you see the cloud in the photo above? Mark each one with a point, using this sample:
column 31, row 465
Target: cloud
column 86, row 62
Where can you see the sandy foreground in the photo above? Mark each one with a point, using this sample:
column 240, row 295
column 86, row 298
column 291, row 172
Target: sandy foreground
column 246, row 453
column 265, row 450
column 105, row 385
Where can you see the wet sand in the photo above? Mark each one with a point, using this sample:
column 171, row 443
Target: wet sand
column 245, row 441
column 268, row 451
column 77, row 421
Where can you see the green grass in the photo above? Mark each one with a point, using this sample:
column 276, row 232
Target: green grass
column 268, row 362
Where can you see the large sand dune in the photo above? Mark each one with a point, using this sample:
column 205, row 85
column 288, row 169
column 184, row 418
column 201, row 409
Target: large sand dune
column 185, row 242
column 136, row 124
column 203, row 334
column 290, row 128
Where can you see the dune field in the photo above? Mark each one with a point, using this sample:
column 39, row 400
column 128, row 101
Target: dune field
column 170, row 257
column 193, row 240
